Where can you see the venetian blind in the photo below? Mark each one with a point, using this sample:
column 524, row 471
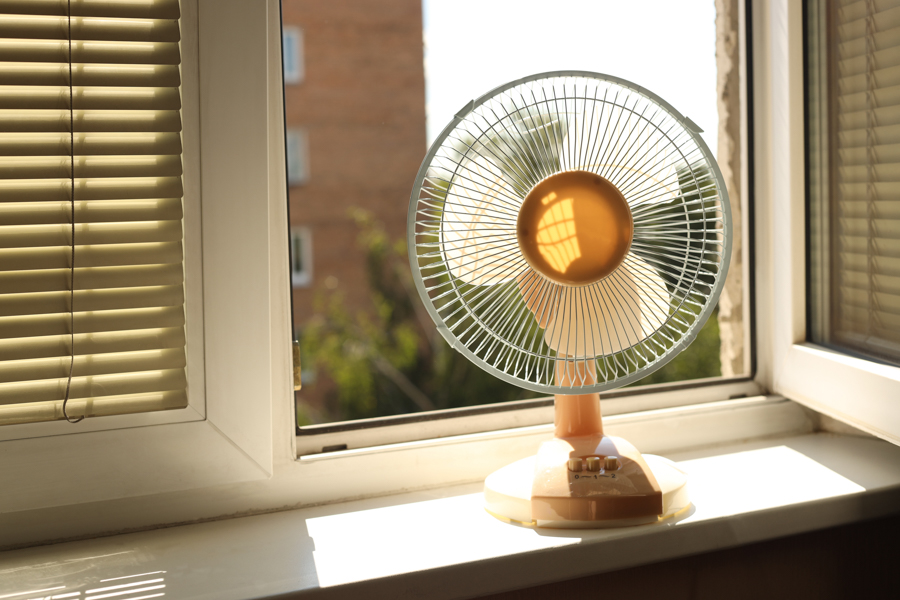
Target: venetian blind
column 129, row 340
column 863, row 171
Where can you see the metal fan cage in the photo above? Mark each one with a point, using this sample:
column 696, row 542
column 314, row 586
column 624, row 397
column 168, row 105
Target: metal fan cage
column 499, row 147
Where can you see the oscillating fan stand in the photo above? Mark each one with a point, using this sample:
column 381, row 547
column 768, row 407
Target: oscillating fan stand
column 583, row 475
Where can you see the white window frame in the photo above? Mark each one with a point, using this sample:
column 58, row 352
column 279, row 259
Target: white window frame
column 292, row 46
column 302, row 277
column 242, row 457
column 48, row 481
column 297, row 156
column 860, row 392
column 466, row 421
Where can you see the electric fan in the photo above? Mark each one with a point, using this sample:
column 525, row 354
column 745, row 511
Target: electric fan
column 570, row 233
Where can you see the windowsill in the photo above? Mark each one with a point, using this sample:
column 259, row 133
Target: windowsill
column 442, row 544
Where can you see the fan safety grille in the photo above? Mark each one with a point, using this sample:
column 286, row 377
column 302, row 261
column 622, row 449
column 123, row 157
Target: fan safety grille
column 509, row 319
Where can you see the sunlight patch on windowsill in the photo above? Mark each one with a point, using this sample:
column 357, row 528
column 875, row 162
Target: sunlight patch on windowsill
column 395, row 537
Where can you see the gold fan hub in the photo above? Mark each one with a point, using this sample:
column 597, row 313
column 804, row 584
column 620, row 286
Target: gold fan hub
column 575, row 228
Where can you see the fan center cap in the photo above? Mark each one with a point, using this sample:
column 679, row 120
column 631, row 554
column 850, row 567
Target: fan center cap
column 575, row 227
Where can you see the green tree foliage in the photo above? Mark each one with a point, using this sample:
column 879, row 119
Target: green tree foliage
column 699, row 201
column 390, row 359
column 700, row 359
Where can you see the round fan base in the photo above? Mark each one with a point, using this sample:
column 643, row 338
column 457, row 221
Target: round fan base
column 522, row 493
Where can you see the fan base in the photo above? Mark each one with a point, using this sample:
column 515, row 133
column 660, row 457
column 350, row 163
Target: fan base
column 543, row 491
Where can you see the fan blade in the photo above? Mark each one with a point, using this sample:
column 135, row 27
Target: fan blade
column 478, row 236
column 652, row 291
column 611, row 315
column 596, row 319
column 540, row 295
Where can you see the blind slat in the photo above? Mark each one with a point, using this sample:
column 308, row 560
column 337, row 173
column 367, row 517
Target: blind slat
column 92, row 407
column 89, row 144
column 886, row 173
column 874, row 281
column 879, row 233
column 858, row 309
column 91, row 343
column 46, row 280
column 131, row 53
column 859, row 81
column 861, row 191
column 89, row 28
column 883, row 153
column 96, row 364
column 93, row 386
column 872, row 248
column 94, row 168
column 864, row 100
column 57, row 121
column 91, row 211
column 864, row 207
column 89, row 300
column 54, row 97
column 102, row 256
column 858, row 46
column 851, row 20
column 119, row 320
column 859, row 262
column 153, row 167
column 120, row 188
column 884, row 56
column 45, row 74
column 156, row 9
column 866, row 118
column 861, row 138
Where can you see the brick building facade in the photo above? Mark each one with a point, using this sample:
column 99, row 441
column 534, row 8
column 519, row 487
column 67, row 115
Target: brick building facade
column 355, row 114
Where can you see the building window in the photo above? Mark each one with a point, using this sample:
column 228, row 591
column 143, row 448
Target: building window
column 854, row 117
column 301, row 256
column 292, row 55
column 297, row 156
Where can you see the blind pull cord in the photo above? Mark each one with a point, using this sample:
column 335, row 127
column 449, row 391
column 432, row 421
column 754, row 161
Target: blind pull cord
column 72, row 205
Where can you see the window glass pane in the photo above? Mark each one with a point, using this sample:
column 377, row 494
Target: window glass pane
column 854, row 151
column 380, row 83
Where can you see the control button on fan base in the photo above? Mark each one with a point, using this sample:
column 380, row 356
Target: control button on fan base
column 558, row 494
column 575, row 228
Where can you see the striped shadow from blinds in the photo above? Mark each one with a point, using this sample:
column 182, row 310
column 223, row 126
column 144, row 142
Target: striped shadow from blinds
column 129, row 325
column 860, row 196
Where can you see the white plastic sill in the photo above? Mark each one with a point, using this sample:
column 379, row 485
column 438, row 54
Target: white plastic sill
column 441, row 544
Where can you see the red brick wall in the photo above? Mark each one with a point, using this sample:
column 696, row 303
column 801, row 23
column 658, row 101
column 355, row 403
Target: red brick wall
column 362, row 101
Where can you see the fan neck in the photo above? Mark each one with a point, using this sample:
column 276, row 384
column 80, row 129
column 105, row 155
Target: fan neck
column 576, row 415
